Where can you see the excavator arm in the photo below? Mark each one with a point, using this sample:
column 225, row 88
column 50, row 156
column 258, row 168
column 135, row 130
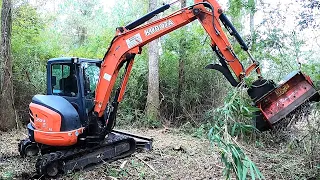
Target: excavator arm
column 130, row 39
column 274, row 101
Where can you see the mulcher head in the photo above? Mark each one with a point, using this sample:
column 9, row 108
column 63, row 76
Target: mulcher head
column 277, row 101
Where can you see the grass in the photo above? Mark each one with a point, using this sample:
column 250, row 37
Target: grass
column 289, row 153
column 293, row 153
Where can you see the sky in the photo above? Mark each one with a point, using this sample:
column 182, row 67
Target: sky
column 52, row 5
column 107, row 4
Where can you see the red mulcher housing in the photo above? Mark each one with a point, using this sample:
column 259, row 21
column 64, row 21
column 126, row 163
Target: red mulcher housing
column 296, row 89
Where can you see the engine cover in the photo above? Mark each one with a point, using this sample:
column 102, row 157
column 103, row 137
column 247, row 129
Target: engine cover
column 53, row 121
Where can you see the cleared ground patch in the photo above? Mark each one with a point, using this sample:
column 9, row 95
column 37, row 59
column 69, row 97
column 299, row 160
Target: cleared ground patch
column 284, row 154
column 175, row 156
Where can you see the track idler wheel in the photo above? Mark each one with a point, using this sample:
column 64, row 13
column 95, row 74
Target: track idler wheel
column 47, row 165
column 28, row 148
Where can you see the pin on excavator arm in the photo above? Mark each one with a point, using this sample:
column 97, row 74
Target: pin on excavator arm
column 130, row 39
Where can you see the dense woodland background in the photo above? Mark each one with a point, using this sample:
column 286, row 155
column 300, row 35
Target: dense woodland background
column 279, row 33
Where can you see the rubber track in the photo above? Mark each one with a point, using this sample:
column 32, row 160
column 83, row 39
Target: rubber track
column 47, row 159
column 65, row 156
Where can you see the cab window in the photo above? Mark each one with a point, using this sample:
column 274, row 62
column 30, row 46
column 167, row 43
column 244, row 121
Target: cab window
column 91, row 76
column 64, row 80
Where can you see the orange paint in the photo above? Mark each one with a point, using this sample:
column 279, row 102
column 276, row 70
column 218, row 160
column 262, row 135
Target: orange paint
column 131, row 42
column 45, row 119
column 251, row 68
column 125, row 80
column 67, row 138
column 47, row 124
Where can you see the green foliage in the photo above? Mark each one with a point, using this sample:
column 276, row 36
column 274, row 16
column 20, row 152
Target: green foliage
column 235, row 7
column 133, row 10
column 26, row 42
column 313, row 70
column 202, row 90
column 251, row 5
column 201, row 85
column 230, row 122
column 7, row 176
column 95, row 45
column 29, row 55
column 81, row 21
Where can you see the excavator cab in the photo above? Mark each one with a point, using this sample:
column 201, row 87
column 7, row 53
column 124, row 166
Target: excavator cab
column 73, row 79
column 60, row 117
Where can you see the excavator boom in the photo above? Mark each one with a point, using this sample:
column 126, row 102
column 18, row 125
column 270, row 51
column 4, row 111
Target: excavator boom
column 130, row 39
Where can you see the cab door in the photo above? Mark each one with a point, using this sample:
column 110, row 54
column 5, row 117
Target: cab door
column 64, row 81
column 90, row 79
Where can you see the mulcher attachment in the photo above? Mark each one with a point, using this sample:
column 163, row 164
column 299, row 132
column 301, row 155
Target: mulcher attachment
column 277, row 101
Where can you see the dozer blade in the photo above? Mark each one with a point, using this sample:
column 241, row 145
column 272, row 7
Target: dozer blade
column 295, row 90
column 142, row 142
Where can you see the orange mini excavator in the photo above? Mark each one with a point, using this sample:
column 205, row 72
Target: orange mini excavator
column 72, row 126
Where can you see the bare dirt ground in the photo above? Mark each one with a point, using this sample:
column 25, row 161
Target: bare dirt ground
column 285, row 154
column 174, row 156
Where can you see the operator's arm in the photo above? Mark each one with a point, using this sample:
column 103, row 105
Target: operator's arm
column 129, row 41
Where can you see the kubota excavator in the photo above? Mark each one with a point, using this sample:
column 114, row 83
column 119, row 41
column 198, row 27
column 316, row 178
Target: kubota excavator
column 72, row 126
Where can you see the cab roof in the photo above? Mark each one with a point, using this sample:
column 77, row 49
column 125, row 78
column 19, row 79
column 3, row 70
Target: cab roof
column 71, row 59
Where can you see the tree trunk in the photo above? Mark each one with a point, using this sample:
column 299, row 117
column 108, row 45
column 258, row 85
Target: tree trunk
column 181, row 81
column 153, row 104
column 252, row 30
column 7, row 111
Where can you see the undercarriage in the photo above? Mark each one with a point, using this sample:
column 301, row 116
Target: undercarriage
column 53, row 161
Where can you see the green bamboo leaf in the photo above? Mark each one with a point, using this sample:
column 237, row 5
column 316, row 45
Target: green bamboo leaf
column 259, row 174
column 234, row 129
column 235, row 153
column 245, row 170
column 211, row 131
column 252, row 172
column 234, row 107
column 239, row 171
